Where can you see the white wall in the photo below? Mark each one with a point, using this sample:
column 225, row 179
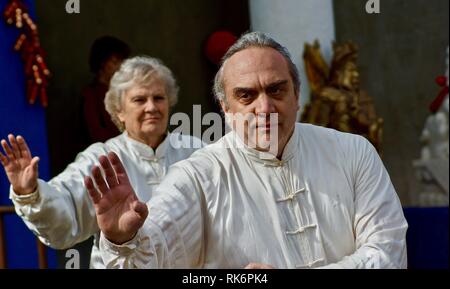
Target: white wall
column 294, row 22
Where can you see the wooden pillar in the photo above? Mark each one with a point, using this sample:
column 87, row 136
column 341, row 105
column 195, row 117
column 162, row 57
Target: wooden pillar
column 41, row 248
column 3, row 211
column 42, row 255
column 2, row 245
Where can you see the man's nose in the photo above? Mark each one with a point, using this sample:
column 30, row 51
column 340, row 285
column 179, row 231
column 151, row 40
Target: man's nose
column 264, row 104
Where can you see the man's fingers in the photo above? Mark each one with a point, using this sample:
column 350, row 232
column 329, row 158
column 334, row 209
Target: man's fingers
column 93, row 193
column 8, row 151
column 118, row 167
column 98, row 178
column 110, row 175
column 23, row 147
column 14, row 146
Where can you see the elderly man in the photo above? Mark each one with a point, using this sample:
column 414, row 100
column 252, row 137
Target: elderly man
column 323, row 199
column 60, row 212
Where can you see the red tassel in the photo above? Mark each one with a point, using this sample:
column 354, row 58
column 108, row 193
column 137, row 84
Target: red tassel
column 33, row 93
column 441, row 80
column 28, row 64
column 437, row 102
column 10, row 8
column 44, row 99
column 28, row 44
column 19, row 42
column 37, row 75
column 19, row 18
column 42, row 65
column 28, row 87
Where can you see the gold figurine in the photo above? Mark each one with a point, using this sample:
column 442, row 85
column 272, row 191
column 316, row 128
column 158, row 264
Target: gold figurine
column 336, row 99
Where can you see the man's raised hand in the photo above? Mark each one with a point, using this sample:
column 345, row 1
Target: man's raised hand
column 119, row 212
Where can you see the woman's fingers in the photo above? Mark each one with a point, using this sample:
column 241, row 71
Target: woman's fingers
column 34, row 165
column 14, row 146
column 4, row 160
column 8, row 150
column 23, row 147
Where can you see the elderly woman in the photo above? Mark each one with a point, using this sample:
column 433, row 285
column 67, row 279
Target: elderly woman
column 60, row 212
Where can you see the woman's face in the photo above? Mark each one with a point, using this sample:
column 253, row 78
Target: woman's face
column 145, row 111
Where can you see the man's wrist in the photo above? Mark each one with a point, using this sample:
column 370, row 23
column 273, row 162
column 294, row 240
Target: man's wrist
column 119, row 240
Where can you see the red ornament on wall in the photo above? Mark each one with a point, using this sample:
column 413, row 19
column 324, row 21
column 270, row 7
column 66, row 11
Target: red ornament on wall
column 28, row 44
column 437, row 102
column 217, row 45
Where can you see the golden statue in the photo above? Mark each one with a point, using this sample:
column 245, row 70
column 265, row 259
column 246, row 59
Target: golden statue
column 336, row 99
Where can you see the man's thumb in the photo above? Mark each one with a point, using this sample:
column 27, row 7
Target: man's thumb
column 141, row 209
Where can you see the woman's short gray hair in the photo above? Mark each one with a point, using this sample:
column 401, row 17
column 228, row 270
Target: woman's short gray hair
column 137, row 70
column 254, row 39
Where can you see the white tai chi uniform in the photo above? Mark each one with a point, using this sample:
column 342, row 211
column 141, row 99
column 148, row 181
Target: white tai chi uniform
column 327, row 203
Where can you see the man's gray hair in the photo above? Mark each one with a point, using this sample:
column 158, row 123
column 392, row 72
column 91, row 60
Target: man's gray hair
column 137, row 71
column 254, row 39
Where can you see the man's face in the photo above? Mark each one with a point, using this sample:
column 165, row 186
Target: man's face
column 257, row 82
column 145, row 110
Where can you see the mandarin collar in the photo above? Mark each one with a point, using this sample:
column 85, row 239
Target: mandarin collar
column 292, row 146
column 147, row 152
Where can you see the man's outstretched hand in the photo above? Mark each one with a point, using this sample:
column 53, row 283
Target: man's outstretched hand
column 119, row 212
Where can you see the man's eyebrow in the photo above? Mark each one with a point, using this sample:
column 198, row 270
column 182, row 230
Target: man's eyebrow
column 238, row 90
column 277, row 83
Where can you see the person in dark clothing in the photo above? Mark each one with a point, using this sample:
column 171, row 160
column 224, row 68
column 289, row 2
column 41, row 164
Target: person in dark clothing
column 106, row 56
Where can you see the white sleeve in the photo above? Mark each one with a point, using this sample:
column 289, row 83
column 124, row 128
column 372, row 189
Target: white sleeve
column 379, row 224
column 172, row 235
column 60, row 212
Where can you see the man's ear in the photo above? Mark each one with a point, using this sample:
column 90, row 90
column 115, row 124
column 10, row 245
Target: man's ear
column 297, row 98
column 224, row 106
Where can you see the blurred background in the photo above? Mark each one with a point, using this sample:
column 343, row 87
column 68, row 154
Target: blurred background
column 402, row 49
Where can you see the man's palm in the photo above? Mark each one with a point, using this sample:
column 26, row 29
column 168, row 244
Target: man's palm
column 119, row 213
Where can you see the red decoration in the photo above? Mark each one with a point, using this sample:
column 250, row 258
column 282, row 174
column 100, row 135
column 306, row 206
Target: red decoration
column 36, row 71
column 437, row 102
column 217, row 45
